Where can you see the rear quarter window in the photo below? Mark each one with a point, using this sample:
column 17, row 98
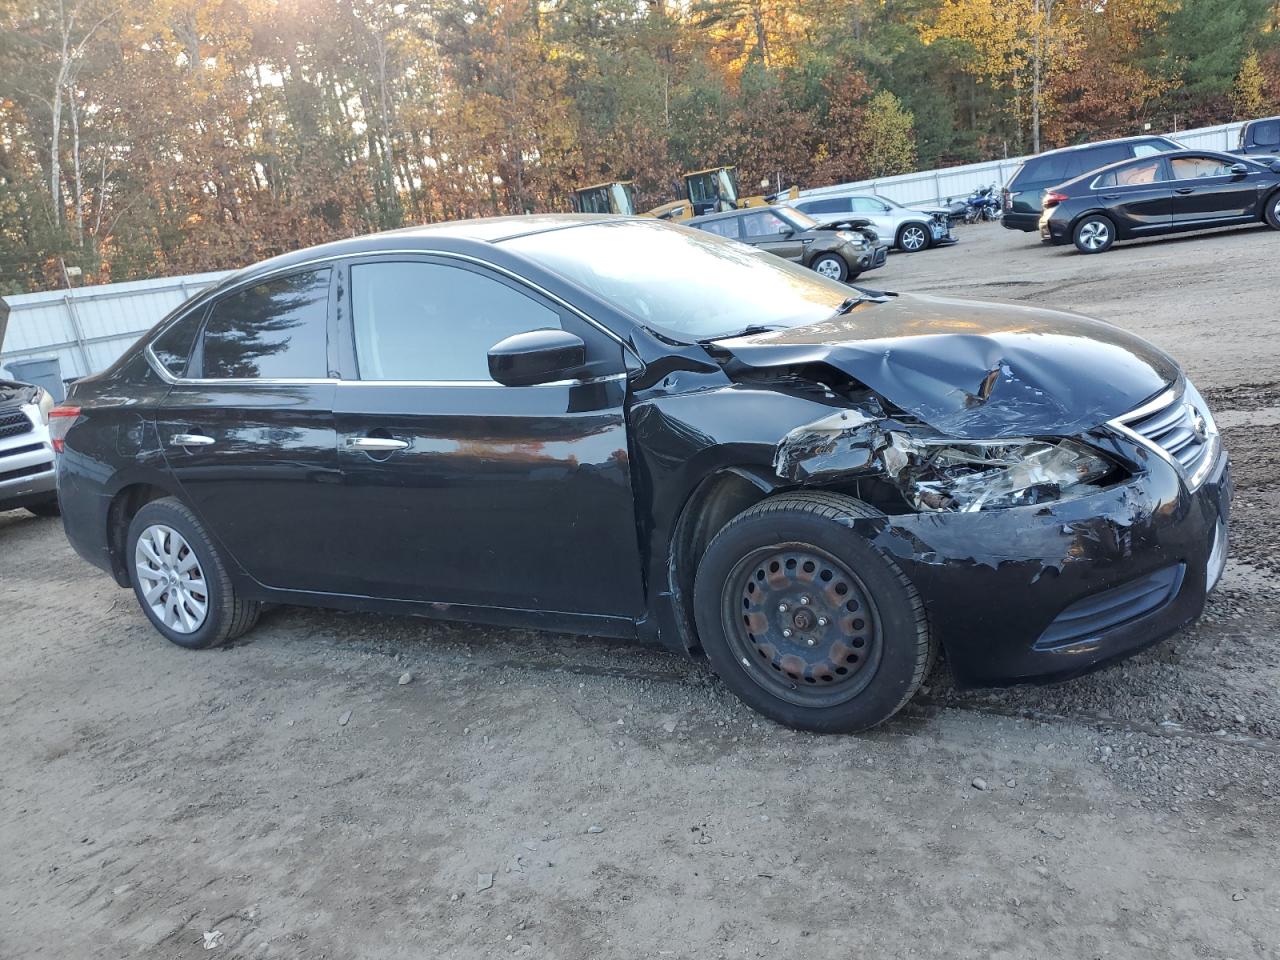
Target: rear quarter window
column 274, row 329
column 1265, row 134
column 173, row 347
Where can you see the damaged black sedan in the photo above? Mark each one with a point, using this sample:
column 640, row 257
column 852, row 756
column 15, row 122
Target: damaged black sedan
column 627, row 428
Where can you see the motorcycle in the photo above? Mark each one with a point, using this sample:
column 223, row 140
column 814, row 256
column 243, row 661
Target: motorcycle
column 982, row 204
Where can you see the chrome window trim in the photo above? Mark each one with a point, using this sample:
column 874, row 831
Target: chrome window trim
column 169, row 378
column 1174, row 394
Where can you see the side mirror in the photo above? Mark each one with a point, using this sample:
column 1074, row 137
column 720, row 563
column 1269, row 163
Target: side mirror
column 1275, row 166
column 1238, row 169
column 786, row 232
column 538, row 356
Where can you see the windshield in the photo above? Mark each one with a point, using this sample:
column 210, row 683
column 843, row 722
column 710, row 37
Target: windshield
column 623, row 198
column 798, row 219
column 685, row 283
column 892, row 203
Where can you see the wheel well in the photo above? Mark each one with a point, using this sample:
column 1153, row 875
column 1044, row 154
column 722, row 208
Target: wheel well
column 716, row 501
column 124, row 507
column 1266, row 204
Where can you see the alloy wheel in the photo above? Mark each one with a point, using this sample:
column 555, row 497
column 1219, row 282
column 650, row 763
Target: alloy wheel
column 172, row 581
column 913, row 238
column 802, row 624
column 828, row 267
column 1094, row 234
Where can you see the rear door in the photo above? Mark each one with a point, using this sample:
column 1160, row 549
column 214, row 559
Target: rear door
column 768, row 231
column 248, row 430
column 1207, row 193
column 1137, row 196
column 475, row 493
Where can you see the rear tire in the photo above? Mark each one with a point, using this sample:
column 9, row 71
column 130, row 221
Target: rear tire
column 913, row 237
column 1094, row 234
column 1272, row 211
column 831, row 266
column 806, row 621
column 180, row 579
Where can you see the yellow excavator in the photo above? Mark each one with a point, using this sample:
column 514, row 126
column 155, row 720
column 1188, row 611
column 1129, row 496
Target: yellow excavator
column 616, row 197
column 713, row 190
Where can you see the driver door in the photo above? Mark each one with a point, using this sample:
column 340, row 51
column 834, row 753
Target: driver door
column 462, row 491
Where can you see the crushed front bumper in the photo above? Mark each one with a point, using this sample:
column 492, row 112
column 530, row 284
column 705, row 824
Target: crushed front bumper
column 1045, row 593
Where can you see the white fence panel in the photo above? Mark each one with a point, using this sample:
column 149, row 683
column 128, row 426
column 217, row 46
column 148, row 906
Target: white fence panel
column 935, row 186
column 88, row 328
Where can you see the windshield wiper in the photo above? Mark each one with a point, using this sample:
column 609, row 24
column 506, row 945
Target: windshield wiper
column 747, row 331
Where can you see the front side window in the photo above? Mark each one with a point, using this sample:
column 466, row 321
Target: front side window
column 867, row 205
column 275, row 329
column 1193, row 168
column 1139, row 174
column 763, row 224
column 431, row 321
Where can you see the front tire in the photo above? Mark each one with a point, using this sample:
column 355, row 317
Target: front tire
column 913, row 237
column 831, row 266
column 1094, row 234
column 807, row 622
column 1272, row 214
column 180, row 579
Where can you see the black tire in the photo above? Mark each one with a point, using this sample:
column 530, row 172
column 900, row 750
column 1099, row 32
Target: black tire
column 1271, row 212
column 45, row 509
column 1094, row 233
column 913, row 237
column 885, row 635
column 228, row 615
column 841, row 271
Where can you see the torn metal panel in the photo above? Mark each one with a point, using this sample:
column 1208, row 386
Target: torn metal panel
column 839, row 444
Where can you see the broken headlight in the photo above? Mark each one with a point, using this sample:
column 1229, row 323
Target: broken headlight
column 963, row 477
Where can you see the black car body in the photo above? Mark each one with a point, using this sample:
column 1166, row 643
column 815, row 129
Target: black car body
column 1260, row 138
column 1169, row 193
column 840, row 249
column 1022, row 194
column 815, row 507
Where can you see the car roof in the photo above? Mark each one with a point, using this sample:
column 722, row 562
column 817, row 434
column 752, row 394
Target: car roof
column 1104, row 143
column 723, row 215
column 451, row 234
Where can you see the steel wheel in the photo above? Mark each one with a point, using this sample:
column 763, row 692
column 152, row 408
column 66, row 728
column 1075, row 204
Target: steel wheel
column 913, row 238
column 1094, row 235
column 170, row 579
column 798, row 611
column 829, row 267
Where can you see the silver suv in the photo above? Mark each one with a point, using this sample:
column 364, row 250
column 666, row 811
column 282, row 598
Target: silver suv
column 907, row 228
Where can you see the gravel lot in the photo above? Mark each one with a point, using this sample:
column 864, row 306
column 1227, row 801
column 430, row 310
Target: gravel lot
column 535, row 795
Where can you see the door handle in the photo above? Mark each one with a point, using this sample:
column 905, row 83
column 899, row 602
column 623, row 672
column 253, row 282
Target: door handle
column 1111, row 196
column 190, row 440
column 376, row 444
column 1185, row 190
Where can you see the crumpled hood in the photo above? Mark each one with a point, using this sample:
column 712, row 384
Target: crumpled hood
column 978, row 370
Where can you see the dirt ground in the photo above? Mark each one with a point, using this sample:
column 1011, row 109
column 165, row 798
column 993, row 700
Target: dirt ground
column 532, row 795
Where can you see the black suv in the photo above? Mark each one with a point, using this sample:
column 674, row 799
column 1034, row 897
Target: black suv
column 621, row 427
column 1260, row 137
column 1022, row 194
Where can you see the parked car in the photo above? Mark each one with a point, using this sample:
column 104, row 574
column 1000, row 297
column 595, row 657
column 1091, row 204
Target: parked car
column 1260, row 137
column 911, row 229
column 26, row 454
column 621, row 427
column 841, row 251
column 1023, row 191
column 1172, row 192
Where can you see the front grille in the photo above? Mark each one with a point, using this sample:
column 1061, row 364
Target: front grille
column 1087, row 619
column 14, row 424
column 1182, row 428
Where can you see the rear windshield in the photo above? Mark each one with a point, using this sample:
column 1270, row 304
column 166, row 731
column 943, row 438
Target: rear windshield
column 683, row 282
column 1265, row 133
